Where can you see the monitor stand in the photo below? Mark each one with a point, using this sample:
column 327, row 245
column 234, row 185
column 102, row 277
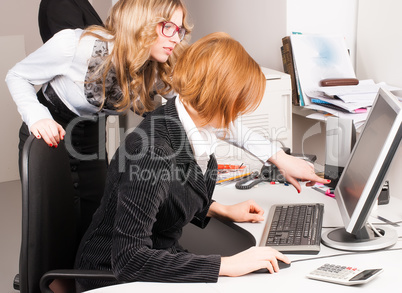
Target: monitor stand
column 366, row 240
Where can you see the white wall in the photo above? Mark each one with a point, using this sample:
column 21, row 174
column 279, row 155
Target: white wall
column 379, row 47
column 324, row 17
column 258, row 25
column 10, row 121
column 19, row 35
column 379, row 42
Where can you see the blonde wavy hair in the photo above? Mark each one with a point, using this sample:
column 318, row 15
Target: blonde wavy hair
column 219, row 79
column 131, row 26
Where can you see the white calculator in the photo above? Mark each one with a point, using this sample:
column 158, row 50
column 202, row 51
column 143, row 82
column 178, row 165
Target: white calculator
column 345, row 275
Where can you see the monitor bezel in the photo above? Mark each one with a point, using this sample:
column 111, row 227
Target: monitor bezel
column 357, row 221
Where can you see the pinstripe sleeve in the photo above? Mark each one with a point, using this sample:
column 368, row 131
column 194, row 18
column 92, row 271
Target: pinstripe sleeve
column 139, row 199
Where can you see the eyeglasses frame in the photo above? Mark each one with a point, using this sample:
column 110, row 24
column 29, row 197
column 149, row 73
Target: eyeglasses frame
column 177, row 30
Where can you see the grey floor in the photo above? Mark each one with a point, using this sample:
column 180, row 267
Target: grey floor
column 10, row 228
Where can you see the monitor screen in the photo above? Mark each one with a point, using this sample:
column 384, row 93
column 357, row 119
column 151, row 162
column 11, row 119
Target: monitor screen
column 363, row 177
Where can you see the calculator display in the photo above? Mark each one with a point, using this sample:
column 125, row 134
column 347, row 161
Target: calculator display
column 365, row 275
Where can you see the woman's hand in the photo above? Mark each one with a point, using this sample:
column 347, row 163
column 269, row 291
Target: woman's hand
column 247, row 211
column 48, row 129
column 294, row 169
column 250, row 260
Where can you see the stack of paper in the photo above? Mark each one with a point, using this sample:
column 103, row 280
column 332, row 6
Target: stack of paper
column 318, row 57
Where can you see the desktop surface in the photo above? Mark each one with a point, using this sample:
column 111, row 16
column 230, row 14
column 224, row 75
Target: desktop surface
column 294, row 277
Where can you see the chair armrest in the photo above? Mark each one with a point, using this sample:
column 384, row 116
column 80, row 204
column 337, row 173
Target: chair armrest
column 16, row 282
column 48, row 277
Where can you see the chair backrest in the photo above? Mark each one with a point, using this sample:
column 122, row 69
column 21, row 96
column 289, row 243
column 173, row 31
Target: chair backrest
column 48, row 216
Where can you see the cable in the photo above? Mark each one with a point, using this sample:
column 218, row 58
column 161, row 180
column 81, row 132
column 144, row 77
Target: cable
column 249, row 181
column 392, row 224
column 346, row 253
column 387, row 221
column 375, row 230
column 376, row 224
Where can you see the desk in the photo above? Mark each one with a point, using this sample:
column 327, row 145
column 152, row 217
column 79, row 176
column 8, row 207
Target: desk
column 293, row 278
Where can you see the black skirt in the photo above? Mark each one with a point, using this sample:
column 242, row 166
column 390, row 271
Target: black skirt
column 86, row 143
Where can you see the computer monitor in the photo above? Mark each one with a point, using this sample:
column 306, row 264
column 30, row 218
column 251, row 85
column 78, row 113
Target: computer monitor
column 362, row 179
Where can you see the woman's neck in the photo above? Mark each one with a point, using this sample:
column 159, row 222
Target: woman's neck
column 198, row 121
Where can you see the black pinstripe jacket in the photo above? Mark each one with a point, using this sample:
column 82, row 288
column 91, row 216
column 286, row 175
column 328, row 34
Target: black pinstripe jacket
column 154, row 187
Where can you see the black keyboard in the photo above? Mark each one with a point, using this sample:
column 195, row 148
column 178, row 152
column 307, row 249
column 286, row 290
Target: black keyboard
column 294, row 228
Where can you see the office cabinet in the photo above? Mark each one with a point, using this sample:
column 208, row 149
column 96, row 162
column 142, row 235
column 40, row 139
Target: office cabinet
column 273, row 117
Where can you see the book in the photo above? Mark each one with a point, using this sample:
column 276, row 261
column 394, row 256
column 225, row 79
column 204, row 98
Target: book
column 288, row 67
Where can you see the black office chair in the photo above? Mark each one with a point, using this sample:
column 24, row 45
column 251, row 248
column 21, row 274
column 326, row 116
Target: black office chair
column 49, row 238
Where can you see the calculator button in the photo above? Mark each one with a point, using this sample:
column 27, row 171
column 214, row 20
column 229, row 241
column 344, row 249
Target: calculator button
column 345, row 275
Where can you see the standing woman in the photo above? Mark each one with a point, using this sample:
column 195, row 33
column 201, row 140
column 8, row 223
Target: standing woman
column 86, row 74
column 54, row 16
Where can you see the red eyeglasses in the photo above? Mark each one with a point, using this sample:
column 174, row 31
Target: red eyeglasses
column 169, row 29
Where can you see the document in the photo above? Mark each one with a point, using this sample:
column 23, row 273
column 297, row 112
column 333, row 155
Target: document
column 365, row 90
column 319, row 57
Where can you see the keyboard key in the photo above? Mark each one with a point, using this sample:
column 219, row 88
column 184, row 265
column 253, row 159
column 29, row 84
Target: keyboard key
column 295, row 228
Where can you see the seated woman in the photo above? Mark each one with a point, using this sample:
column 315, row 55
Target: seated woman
column 163, row 176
